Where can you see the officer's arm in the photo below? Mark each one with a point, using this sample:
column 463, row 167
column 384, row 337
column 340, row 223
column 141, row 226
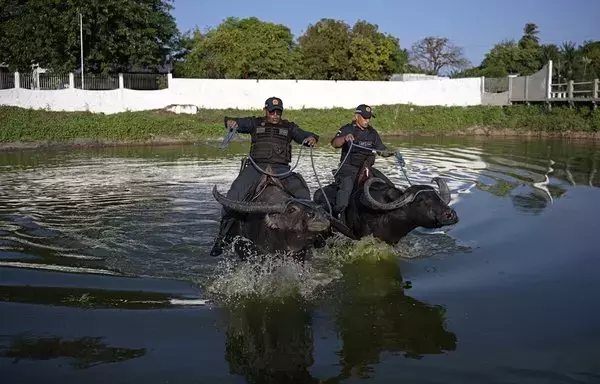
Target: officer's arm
column 340, row 137
column 242, row 124
column 299, row 135
column 385, row 152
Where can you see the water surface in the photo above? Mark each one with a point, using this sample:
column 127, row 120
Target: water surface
column 105, row 273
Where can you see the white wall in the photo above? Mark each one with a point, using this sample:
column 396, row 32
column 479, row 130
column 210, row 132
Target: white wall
column 250, row 94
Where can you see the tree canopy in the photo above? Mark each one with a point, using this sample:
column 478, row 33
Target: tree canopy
column 433, row 54
column 328, row 50
column 527, row 56
column 240, row 48
column 129, row 35
column 118, row 35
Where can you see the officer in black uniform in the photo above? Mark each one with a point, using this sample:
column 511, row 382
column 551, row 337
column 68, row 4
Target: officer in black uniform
column 271, row 138
column 362, row 133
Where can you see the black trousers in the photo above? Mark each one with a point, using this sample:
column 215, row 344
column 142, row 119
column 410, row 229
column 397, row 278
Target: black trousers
column 345, row 182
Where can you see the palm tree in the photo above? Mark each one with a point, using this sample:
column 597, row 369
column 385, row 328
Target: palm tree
column 532, row 31
column 569, row 53
column 586, row 61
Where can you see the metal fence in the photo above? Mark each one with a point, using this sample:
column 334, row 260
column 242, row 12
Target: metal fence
column 7, row 80
column 145, row 81
column 91, row 82
column 43, row 81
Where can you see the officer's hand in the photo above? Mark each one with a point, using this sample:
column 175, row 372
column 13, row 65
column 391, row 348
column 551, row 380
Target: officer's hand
column 232, row 124
column 387, row 153
column 400, row 159
column 311, row 141
column 349, row 137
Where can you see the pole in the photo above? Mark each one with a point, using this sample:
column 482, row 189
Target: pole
column 81, row 41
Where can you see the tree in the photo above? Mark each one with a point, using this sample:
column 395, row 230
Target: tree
column 241, row 48
column 324, row 51
column 436, row 53
column 117, row 34
column 530, row 50
column 569, row 57
column 374, row 55
column 530, row 38
column 331, row 50
column 590, row 57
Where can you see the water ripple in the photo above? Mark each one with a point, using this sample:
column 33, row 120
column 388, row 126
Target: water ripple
column 156, row 216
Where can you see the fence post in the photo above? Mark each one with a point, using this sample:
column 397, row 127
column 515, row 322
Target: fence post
column 596, row 86
column 169, row 78
column 570, row 89
column 17, row 80
column 549, row 80
column 527, row 90
column 121, row 81
column 71, row 80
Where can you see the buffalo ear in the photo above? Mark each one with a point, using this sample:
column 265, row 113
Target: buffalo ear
column 273, row 220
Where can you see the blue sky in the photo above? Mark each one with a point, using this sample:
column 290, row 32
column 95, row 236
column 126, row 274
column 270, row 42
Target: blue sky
column 476, row 25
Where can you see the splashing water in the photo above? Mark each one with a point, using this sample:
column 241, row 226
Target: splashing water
column 270, row 277
column 281, row 276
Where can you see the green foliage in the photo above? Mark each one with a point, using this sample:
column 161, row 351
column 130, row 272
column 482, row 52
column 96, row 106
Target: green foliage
column 118, row 35
column 38, row 125
column 241, row 48
column 331, row 50
column 527, row 56
column 324, row 51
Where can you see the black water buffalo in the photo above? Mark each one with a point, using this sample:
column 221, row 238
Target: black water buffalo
column 274, row 221
column 380, row 209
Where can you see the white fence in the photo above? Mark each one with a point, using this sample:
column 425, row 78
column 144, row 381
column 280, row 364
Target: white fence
column 249, row 94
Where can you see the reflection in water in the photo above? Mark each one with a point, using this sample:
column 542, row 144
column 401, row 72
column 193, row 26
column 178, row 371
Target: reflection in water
column 271, row 340
column 87, row 352
column 374, row 316
column 530, row 202
column 91, row 298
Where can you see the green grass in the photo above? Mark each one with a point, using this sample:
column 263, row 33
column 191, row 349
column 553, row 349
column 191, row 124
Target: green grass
column 26, row 125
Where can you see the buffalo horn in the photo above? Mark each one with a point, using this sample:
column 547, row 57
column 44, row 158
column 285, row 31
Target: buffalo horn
column 400, row 202
column 246, row 206
column 444, row 190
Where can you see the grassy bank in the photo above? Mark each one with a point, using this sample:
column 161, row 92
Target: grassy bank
column 23, row 126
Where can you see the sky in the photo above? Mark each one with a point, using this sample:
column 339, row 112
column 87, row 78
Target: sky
column 476, row 25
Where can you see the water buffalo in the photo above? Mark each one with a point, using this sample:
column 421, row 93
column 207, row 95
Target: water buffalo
column 274, row 221
column 381, row 209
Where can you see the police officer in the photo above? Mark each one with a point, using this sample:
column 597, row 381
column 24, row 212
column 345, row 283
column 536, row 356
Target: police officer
column 362, row 133
column 271, row 138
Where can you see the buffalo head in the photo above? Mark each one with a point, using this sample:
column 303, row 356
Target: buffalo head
column 292, row 223
column 394, row 213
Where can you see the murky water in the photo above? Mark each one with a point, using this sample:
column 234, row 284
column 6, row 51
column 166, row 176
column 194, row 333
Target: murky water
column 105, row 273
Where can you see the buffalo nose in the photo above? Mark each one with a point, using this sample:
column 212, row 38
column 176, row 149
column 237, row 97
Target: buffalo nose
column 450, row 215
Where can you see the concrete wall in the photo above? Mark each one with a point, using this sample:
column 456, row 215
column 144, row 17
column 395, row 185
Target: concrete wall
column 535, row 87
column 250, row 94
column 500, row 98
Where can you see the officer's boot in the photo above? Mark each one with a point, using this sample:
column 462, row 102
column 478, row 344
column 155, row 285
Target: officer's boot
column 217, row 247
column 341, row 216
